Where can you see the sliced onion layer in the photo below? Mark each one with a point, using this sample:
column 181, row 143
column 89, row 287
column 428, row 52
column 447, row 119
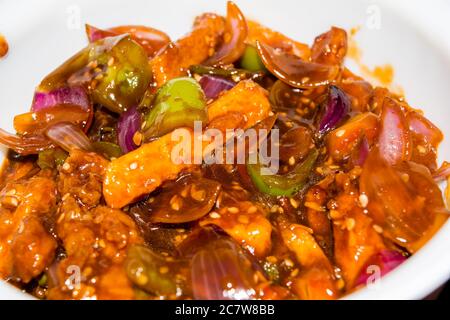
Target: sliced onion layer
column 68, row 136
column 336, row 108
column 33, row 123
column 184, row 201
column 394, row 139
column 213, row 86
column 129, row 123
column 66, row 95
column 24, row 145
column 294, row 71
column 360, row 153
column 221, row 271
column 152, row 40
column 385, row 260
column 233, row 45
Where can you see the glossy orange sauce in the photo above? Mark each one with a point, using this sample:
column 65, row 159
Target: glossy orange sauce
column 382, row 75
column 3, row 46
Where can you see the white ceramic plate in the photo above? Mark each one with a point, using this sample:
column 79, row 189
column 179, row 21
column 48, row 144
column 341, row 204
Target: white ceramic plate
column 413, row 36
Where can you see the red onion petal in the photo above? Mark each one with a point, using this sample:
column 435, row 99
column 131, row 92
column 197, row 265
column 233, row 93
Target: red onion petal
column 442, row 173
column 394, row 139
column 24, row 145
column 213, row 85
column 293, row 71
column 152, row 40
column 222, row 273
column 361, row 152
column 236, row 28
column 67, row 95
column 69, row 137
column 95, row 34
column 129, row 123
column 386, row 260
column 337, row 107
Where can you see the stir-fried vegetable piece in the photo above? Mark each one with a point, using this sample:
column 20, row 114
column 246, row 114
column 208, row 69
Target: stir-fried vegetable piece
column 141, row 171
column 360, row 152
column 155, row 273
column 295, row 144
column 107, row 149
column 128, row 126
column 394, row 138
column 231, row 73
column 50, row 159
column 336, row 108
column 318, row 220
column 184, row 201
column 425, row 138
column 357, row 89
column 287, row 184
column 75, row 96
column 294, row 71
column 247, row 98
column 316, row 279
column 342, row 141
column 250, row 60
column 35, row 123
column 115, row 69
column 125, row 78
column 68, row 136
column 24, row 145
column 235, row 34
column 178, row 103
column 404, row 201
column 257, row 32
column 172, row 61
column 355, row 240
column 221, row 271
column 330, row 47
column 386, row 260
column 152, row 40
column 213, row 86
column 246, row 223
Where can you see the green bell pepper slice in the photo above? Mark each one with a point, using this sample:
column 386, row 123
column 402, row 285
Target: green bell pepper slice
column 178, row 103
column 283, row 185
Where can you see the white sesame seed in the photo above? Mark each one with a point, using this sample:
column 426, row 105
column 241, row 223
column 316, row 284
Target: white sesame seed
column 294, row 203
column 233, row 210
column 291, row 161
column 214, row 215
column 340, row 133
column 133, row 165
column 377, row 228
column 363, row 200
column 350, row 223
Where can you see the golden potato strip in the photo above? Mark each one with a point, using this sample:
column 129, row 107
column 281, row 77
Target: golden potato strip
column 194, row 48
column 246, row 98
column 276, row 39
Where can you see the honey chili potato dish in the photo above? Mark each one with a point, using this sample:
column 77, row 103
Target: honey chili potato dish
column 93, row 204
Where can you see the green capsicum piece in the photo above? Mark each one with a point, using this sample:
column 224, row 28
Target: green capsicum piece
column 115, row 69
column 230, row 73
column 251, row 61
column 51, row 158
column 107, row 149
column 178, row 103
column 283, row 185
column 156, row 274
